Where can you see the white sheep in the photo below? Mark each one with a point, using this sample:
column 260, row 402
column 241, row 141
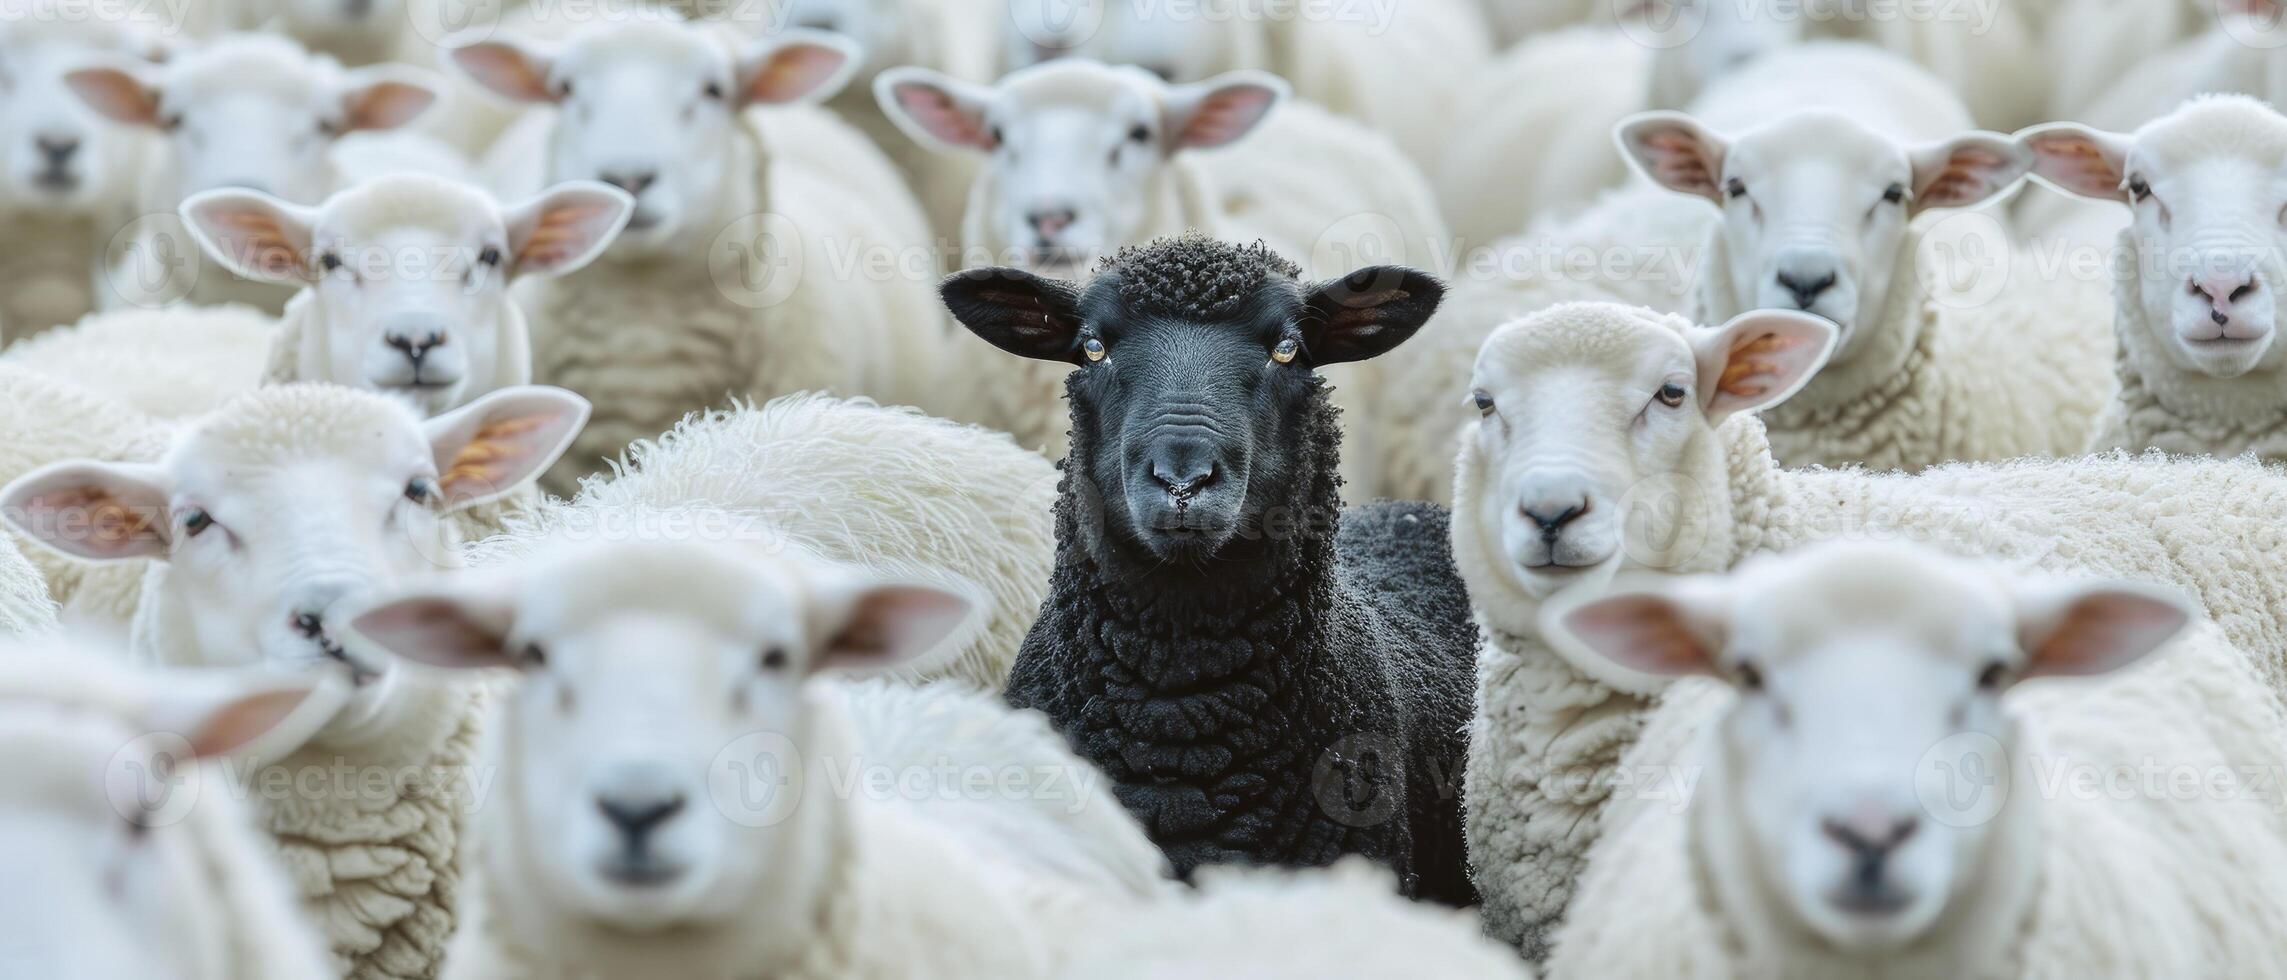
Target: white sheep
column 171, row 363
column 1819, row 209
column 254, row 111
column 144, row 860
column 2198, row 279
column 404, row 279
column 67, row 176
column 745, row 271
column 257, row 522
column 890, row 489
column 45, row 419
column 1401, row 69
column 1617, row 437
column 1895, row 753
column 712, row 807
column 1085, row 158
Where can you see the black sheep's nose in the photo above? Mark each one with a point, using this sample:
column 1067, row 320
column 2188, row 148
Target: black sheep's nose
column 1183, row 478
column 1806, row 289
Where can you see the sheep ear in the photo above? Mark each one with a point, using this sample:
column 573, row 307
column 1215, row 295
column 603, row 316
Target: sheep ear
column 386, row 97
column 1367, row 313
column 937, row 110
column 1016, row 311
column 1219, row 111
column 565, row 227
column 1758, row 360
column 461, row 623
column 1638, row 636
column 269, row 716
column 1967, row 170
column 253, row 234
column 798, row 66
column 97, row 511
column 871, row 626
column 120, row 92
column 514, row 70
column 2078, row 629
column 1676, row 152
column 489, row 447
column 2079, row 160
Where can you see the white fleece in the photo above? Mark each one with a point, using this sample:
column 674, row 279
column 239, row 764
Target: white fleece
column 24, row 604
column 43, row 420
column 172, row 363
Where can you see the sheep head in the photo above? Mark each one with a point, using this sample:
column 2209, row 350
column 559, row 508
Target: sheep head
column 1197, row 410
column 1075, row 147
column 659, row 735
column 1596, row 445
column 2205, row 186
column 1870, row 682
column 408, row 274
column 56, row 153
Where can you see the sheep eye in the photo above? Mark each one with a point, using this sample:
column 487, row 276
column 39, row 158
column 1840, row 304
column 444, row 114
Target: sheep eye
column 774, row 659
column 1484, row 401
column 996, row 136
column 418, row 490
column 171, row 123
column 533, row 656
column 564, row 89
column 1671, row 394
column 490, row 256
column 1990, row 679
column 1093, row 348
column 1139, row 134
column 714, row 90
column 1750, row 677
column 2138, row 188
column 195, row 522
column 1735, row 187
column 329, row 261
column 1286, row 350
column 1894, row 193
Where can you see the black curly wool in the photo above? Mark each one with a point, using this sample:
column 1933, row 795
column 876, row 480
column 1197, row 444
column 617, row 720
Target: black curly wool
column 1300, row 695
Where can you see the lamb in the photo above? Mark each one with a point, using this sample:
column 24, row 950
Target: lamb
column 845, row 481
column 1692, row 489
column 170, row 364
column 2199, row 284
column 1894, row 786
column 69, row 175
column 239, row 111
column 684, row 820
column 1819, row 214
column 256, row 524
column 140, row 877
column 1267, row 680
column 721, row 319
column 404, row 278
column 1086, row 158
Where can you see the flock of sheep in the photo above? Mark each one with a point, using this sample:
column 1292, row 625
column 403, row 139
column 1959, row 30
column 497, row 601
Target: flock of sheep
column 857, row 488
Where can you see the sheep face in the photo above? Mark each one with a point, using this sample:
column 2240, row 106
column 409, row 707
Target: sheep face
column 656, row 745
column 1173, row 48
column 93, row 810
column 255, row 111
column 654, row 108
column 1076, row 148
column 287, row 502
column 1187, row 409
column 1596, row 441
column 2207, row 225
column 1816, row 206
column 1869, row 682
column 409, row 273
column 55, row 152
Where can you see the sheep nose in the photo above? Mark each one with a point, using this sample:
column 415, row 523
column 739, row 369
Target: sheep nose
column 415, row 344
column 1552, row 516
column 2222, row 290
column 1806, row 288
column 637, row 814
column 58, row 149
column 631, row 181
column 1183, row 478
column 1049, row 222
column 1870, row 837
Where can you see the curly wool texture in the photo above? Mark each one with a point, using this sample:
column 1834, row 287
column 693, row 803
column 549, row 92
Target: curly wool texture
column 937, row 884
column 1944, row 379
column 24, row 604
column 2143, row 886
column 719, row 323
column 1192, row 276
column 1345, row 921
column 885, row 488
column 172, row 363
column 43, row 420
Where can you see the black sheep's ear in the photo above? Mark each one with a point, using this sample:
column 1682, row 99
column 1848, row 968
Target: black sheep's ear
column 1367, row 312
column 1016, row 311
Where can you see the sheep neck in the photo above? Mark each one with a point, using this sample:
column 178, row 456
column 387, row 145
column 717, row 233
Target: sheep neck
column 1857, row 393
column 2161, row 405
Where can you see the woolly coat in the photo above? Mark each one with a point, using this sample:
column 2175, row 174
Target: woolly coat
column 940, row 884
column 24, row 604
column 1943, row 378
column 2164, row 407
column 1299, row 699
column 172, row 363
column 790, row 314
column 2207, row 526
column 2144, row 885
column 884, row 488
column 43, row 420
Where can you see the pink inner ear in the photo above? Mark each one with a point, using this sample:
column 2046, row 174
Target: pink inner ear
column 259, row 238
column 1679, row 162
column 1640, row 632
column 1755, row 365
column 564, row 232
column 105, row 525
column 793, row 72
column 2076, row 163
column 1966, row 177
column 432, row 631
column 115, row 94
column 937, row 111
column 1225, row 115
column 243, row 721
column 504, row 70
column 387, row 105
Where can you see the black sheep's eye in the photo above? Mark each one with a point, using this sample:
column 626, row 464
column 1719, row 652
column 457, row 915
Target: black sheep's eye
column 419, row 490
column 1735, row 187
column 1990, row 679
column 1139, row 134
column 714, row 90
column 1671, row 394
column 2138, row 189
column 490, row 256
column 1750, row 677
column 1093, row 348
column 1484, row 401
column 195, row 522
column 1894, row 193
column 329, row 261
column 774, row 659
column 1286, row 350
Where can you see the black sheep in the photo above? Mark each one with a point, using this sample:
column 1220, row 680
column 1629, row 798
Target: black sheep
column 1269, row 680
